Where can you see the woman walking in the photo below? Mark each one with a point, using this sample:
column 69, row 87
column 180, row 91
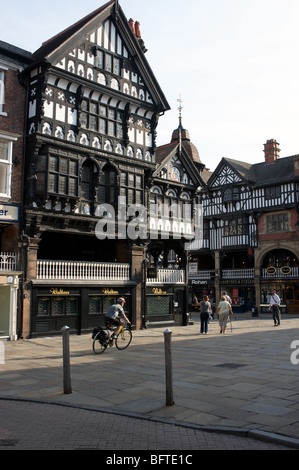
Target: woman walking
column 205, row 312
column 223, row 311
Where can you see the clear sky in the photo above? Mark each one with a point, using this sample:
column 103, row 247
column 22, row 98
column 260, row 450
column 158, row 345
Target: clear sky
column 234, row 63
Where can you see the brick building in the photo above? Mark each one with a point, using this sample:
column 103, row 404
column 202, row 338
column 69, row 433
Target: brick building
column 12, row 120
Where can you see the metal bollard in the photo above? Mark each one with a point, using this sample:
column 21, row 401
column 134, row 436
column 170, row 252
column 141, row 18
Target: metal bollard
column 66, row 360
column 168, row 367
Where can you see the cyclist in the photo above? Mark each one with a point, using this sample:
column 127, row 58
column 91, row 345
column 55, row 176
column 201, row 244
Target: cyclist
column 115, row 313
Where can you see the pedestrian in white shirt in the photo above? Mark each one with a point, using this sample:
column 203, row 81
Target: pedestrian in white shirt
column 274, row 305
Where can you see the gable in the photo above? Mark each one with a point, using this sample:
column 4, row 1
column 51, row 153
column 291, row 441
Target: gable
column 102, row 49
column 224, row 176
column 102, row 57
column 174, row 170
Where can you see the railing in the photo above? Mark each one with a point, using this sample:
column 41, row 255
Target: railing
column 82, row 270
column 285, row 272
column 245, row 273
column 202, row 274
column 8, row 261
column 168, row 276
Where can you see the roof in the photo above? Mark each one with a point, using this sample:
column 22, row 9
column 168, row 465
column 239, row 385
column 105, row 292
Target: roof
column 53, row 50
column 50, row 45
column 262, row 174
column 16, row 53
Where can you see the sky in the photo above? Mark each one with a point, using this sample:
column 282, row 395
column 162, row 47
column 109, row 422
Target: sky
column 233, row 62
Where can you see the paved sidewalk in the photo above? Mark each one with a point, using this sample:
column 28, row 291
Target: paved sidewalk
column 230, row 391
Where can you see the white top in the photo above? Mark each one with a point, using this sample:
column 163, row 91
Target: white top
column 274, row 300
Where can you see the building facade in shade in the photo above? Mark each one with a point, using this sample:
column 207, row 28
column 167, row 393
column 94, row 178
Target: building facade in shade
column 93, row 110
column 250, row 233
column 12, row 116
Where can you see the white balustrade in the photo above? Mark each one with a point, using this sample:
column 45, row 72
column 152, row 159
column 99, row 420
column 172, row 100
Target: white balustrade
column 168, row 276
column 8, row 261
column 82, row 270
column 245, row 273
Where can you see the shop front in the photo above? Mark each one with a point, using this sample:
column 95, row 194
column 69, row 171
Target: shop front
column 288, row 292
column 241, row 292
column 81, row 308
column 197, row 289
column 165, row 305
column 9, row 285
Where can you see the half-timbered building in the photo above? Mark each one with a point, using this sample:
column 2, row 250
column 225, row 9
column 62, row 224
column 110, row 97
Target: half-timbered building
column 173, row 197
column 93, row 109
column 250, row 236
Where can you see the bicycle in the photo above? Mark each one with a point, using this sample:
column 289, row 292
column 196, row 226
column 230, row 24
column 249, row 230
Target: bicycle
column 102, row 338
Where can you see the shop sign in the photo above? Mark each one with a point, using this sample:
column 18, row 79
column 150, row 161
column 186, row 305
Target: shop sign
column 196, row 282
column 192, row 268
column 110, row 292
column 152, row 273
column 158, row 291
column 271, row 270
column 55, row 291
column 9, row 212
column 286, row 270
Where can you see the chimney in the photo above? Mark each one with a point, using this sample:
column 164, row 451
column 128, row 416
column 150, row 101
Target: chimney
column 271, row 149
column 132, row 26
column 135, row 27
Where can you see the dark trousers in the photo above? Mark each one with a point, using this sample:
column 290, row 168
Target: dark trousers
column 204, row 320
column 276, row 317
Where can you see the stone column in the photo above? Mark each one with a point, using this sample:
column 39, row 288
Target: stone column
column 30, row 273
column 217, row 278
column 136, row 260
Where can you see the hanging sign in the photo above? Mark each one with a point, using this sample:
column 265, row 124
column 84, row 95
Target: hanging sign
column 9, row 212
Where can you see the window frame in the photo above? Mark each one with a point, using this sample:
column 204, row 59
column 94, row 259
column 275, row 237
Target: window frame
column 9, row 140
column 2, row 89
column 284, row 220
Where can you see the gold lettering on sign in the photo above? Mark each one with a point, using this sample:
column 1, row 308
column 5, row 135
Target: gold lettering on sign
column 110, row 292
column 59, row 292
column 158, row 291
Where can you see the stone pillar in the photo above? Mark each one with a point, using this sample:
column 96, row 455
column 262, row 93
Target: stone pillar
column 136, row 260
column 30, row 273
column 217, row 278
column 257, row 281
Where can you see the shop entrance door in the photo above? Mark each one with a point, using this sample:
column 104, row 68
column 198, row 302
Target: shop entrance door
column 4, row 310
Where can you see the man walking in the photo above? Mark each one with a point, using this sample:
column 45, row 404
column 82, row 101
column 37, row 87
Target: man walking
column 274, row 305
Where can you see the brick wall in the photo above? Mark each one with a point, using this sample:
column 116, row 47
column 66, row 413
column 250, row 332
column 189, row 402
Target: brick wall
column 13, row 123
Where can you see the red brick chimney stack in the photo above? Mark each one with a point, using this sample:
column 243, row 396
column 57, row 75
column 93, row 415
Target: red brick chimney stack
column 135, row 27
column 272, row 150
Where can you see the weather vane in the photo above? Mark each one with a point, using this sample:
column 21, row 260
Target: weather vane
column 180, row 108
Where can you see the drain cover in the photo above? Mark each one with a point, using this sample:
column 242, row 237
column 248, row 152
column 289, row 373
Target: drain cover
column 230, row 365
column 8, row 442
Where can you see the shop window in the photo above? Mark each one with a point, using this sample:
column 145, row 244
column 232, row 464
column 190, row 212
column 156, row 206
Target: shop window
column 159, row 305
column 57, row 306
column 95, row 305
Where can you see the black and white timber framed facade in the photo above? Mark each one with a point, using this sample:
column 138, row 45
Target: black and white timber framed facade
column 250, row 233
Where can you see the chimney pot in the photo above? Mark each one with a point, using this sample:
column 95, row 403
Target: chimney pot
column 271, row 150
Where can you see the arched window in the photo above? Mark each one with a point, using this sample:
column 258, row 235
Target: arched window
column 107, row 190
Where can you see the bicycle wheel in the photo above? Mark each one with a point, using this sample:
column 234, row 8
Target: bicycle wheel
column 98, row 348
column 123, row 339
